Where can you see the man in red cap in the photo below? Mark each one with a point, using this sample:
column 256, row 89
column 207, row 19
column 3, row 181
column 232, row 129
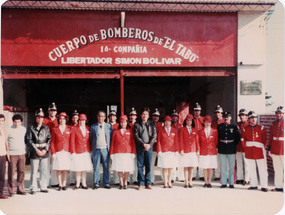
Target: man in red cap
column 254, row 140
column 276, row 148
column 113, row 119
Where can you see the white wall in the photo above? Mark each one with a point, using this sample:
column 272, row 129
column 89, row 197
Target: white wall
column 251, row 58
column 275, row 57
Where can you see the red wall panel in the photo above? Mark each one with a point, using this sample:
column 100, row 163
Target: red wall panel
column 33, row 37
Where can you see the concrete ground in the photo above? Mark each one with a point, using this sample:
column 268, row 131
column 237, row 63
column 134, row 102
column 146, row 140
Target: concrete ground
column 178, row 200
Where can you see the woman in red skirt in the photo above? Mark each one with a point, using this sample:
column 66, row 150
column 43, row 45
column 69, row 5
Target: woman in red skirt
column 60, row 150
column 189, row 148
column 122, row 151
column 80, row 152
column 208, row 139
column 167, row 150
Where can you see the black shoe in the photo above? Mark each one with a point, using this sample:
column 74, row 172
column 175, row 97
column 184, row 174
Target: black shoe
column 190, row 186
column 216, row 179
column 32, row 192
column 117, row 184
column 44, row 191
column 151, row 183
column 59, row 188
column 252, row 188
column 21, row 193
column 193, row 179
column 125, row 187
column 239, row 181
column 172, row 181
column 95, row 187
column 279, row 189
column 264, row 189
column 209, row 186
column 128, row 183
column 232, row 186
column 205, row 185
column 245, row 183
column 135, row 183
column 201, row 178
column 63, row 188
column 72, row 184
column 84, row 187
column 76, row 188
column 120, row 187
column 223, row 186
column 107, row 187
column 56, row 185
column 185, row 186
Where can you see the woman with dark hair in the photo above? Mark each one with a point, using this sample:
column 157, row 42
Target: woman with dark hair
column 189, row 148
column 60, row 150
column 122, row 151
column 80, row 152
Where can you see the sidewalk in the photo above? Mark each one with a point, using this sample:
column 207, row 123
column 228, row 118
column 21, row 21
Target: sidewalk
column 178, row 200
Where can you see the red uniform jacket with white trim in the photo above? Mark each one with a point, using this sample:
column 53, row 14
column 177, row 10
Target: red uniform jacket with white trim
column 115, row 126
column 208, row 146
column 50, row 123
column 167, row 143
column 276, row 137
column 78, row 143
column 60, row 141
column 123, row 143
column 240, row 146
column 188, row 142
column 254, row 140
column 215, row 123
column 199, row 123
column 158, row 127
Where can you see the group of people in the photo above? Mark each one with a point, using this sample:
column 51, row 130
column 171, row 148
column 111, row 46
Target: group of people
column 198, row 147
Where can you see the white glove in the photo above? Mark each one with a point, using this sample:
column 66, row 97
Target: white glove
column 112, row 157
column 54, row 156
column 159, row 154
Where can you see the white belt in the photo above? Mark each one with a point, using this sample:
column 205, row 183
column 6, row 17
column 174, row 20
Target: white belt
column 278, row 138
column 256, row 144
column 40, row 144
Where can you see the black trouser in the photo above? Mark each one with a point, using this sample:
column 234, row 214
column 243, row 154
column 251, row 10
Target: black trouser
column 2, row 173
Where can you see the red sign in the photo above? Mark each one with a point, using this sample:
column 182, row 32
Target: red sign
column 52, row 38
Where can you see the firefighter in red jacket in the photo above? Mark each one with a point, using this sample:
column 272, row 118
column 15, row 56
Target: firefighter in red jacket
column 219, row 120
column 122, row 151
column 113, row 119
column 189, row 149
column 254, row 140
column 242, row 174
column 276, row 148
column 80, row 152
column 199, row 125
column 52, row 122
column 158, row 125
column 60, row 150
column 167, row 150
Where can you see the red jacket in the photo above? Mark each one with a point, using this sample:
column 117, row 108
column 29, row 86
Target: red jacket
column 158, row 127
column 199, row 123
column 60, row 141
column 132, row 124
column 177, row 126
column 115, row 126
column 78, row 143
column 254, row 140
column 188, row 142
column 240, row 146
column 215, row 123
column 276, row 137
column 167, row 143
column 123, row 143
column 50, row 123
column 208, row 146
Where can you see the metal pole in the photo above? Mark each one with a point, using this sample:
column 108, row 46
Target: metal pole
column 122, row 91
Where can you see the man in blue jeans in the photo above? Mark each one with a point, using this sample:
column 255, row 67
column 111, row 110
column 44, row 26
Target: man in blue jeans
column 228, row 138
column 145, row 136
column 100, row 138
